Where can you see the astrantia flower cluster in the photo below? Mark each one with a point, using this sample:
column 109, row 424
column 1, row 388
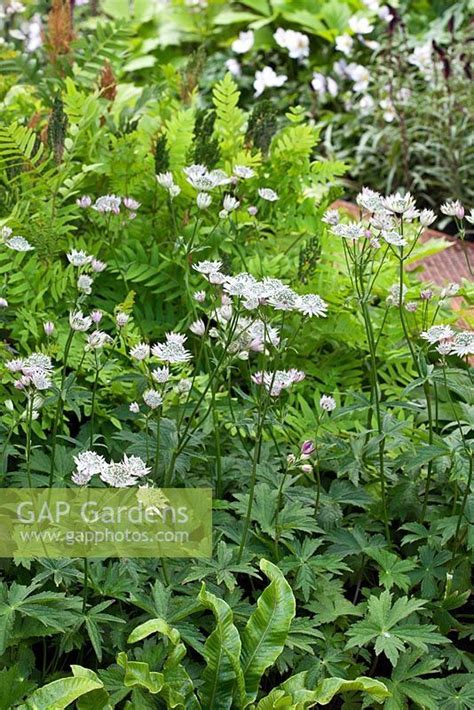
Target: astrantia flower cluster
column 166, row 180
column 35, row 371
column 276, row 382
column 448, row 342
column 14, row 242
column 124, row 474
column 205, row 180
column 172, row 351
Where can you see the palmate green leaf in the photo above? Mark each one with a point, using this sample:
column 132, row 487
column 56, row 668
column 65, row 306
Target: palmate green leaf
column 406, row 682
column 382, row 627
column 264, row 636
column 60, row 693
column 222, row 654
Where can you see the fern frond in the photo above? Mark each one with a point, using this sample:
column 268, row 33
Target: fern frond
column 20, row 148
column 230, row 118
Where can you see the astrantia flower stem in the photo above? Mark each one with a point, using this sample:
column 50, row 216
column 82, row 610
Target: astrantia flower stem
column 59, row 406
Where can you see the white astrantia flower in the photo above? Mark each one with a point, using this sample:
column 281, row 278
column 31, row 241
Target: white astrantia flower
column 84, row 202
column 38, row 361
column 5, row 232
column 243, row 43
column 208, row 267
column 121, row 319
column 230, row 203
column 78, row 257
column 161, row 375
column 427, row 217
column 422, row 58
column 276, row 382
column 243, row 172
column 199, row 296
column 204, row 180
column 327, row 403
column 284, row 299
column 268, row 194
column 437, row 333
column 252, row 335
column 352, row 230
column 311, row 305
column 296, row 43
column 267, row 78
column 15, row 365
column 88, row 464
column 97, row 339
column 166, row 180
column 134, row 407
column 39, row 378
column 131, row 204
column 140, row 351
column 18, row 244
column 331, row 217
column 107, row 203
column 152, row 398
column 84, row 284
column 383, row 221
column 394, row 238
column 3, row 303
column 360, row 25
column 79, row 322
column 172, row 351
column 453, row 208
column 370, row 200
column 450, row 290
column 470, row 217
column 126, row 473
column 463, row 344
column 398, row 203
column 344, row 44
column 203, row 200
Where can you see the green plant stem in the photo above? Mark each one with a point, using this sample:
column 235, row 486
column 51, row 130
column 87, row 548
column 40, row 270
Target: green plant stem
column 94, row 390
column 59, row 406
column 29, row 421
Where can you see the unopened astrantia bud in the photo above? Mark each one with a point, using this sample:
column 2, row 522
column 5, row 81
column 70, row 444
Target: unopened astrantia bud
column 98, row 265
column 203, row 200
column 48, row 327
column 307, row 468
column 131, row 204
column 96, row 316
column 307, row 448
column 84, row 201
column 3, row 303
column 200, row 296
column 84, row 284
column 291, row 459
column 427, row 217
column 426, row 294
column 411, row 306
column 252, row 210
column 230, row 203
column 198, row 327
column 134, row 407
column 121, row 319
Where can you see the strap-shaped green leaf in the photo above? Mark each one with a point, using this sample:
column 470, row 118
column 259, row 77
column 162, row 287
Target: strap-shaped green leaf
column 326, row 689
column 138, row 674
column 266, row 631
column 60, row 693
column 222, row 654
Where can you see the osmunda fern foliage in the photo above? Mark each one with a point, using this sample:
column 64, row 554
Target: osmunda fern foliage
column 185, row 303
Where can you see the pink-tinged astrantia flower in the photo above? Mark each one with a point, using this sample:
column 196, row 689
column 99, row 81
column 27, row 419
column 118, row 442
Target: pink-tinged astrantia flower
column 88, row 464
column 204, row 180
column 107, row 203
column 453, row 209
column 437, row 333
column 276, row 382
